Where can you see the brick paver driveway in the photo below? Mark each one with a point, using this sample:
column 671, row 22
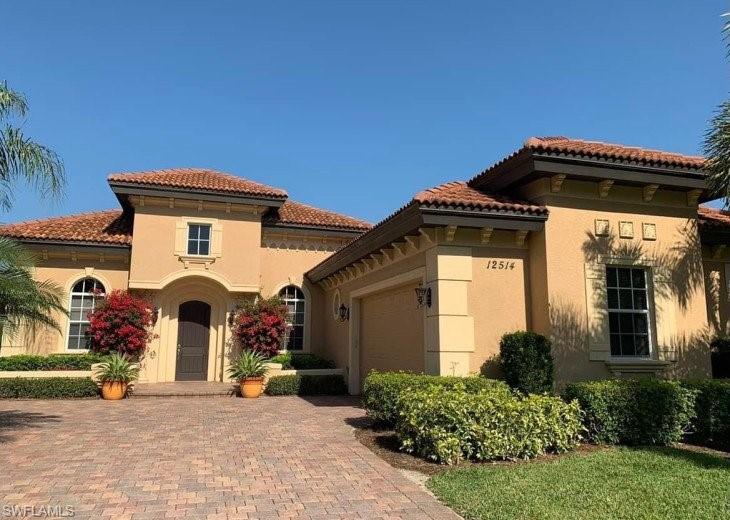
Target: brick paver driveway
column 282, row 457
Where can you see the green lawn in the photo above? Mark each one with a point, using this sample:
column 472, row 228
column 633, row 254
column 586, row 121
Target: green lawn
column 616, row 483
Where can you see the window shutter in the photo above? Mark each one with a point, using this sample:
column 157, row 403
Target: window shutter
column 181, row 238
column 216, row 243
column 664, row 314
column 599, row 346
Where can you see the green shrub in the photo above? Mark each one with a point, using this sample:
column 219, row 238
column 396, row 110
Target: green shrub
column 382, row 390
column 306, row 385
column 527, row 362
column 448, row 425
column 712, row 422
column 47, row 388
column 634, row 412
column 290, row 361
column 27, row 362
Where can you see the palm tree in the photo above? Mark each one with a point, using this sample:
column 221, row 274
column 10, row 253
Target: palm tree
column 23, row 300
column 21, row 158
column 717, row 144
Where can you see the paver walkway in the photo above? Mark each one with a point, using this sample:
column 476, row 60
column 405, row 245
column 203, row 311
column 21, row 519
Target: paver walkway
column 274, row 457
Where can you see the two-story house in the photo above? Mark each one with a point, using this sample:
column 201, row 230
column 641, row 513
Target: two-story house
column 602, row 247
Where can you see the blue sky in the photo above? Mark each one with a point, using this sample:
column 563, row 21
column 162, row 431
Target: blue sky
column 351, row 106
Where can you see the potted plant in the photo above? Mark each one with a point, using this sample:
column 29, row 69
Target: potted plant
column 115, row 375
column 249, row 370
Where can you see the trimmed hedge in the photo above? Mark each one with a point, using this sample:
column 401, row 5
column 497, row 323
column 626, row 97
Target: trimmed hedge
column 527, row 362
column 634, row 412
column 47, row 388
column 711, row 425
column 448, row 425
column 28, row 362
column 291, row 361
column 382, row 390
column 306, row 385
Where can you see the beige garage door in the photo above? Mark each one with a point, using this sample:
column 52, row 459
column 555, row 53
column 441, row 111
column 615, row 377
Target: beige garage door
column 391, row 332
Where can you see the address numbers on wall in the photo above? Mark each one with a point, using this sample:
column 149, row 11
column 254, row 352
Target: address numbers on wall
column 501, row 265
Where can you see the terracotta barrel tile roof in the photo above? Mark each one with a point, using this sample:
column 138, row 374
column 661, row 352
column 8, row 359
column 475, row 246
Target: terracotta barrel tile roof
column 462, row 195
column 559, row 145
column 296, row 213
column 199, row 179
column 101, row 227
column 457, row 195
column 613, row 151
column 713, row 218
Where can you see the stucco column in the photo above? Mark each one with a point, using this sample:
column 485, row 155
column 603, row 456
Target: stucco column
column 227, row 351
column 449, row 328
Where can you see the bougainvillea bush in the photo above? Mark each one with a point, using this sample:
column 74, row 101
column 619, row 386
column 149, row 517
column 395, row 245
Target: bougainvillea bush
column 122, row 322
column 261, row 325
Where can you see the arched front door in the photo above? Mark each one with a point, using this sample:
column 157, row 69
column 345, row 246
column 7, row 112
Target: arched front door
column 193, row 339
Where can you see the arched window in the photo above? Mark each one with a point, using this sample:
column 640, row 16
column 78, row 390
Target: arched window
column 83, row 300
column 293, row 298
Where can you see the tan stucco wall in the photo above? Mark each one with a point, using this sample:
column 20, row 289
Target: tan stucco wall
column 64, row 272
column 157, row 259
column 280, row 267
column 498, row 301
column 569, row 249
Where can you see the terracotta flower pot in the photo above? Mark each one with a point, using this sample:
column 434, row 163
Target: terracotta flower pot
column 113, row 390
column 252, row 387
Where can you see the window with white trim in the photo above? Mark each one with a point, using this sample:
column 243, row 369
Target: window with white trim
column 199, row 239
column 84, row 295
column 629, row 323
column 293, row 298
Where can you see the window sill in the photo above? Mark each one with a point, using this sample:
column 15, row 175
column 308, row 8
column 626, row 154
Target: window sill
column 628, row 366
column 189, row 260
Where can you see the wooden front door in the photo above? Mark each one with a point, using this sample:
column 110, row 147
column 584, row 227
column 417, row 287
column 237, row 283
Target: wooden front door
column 193, row 336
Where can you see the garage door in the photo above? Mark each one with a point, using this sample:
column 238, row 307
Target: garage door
column 391, row 332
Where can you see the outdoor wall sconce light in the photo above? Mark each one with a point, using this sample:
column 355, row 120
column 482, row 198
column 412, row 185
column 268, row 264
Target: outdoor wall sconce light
column 423, row 295
column 344, row 312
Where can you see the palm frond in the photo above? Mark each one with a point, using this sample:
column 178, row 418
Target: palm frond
column 13, row 253
column 23, row 158
column 26, row 302
column 717, row 151
column 11, row 102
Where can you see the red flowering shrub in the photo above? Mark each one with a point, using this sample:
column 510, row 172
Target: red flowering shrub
column 261, row 326
column 121, row 323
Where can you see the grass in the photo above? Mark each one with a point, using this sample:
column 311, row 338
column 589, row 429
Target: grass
column 615, row 483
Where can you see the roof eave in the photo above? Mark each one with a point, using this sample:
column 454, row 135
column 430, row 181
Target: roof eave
column 714, row 234
column 69, row 243
column 414, row 216
column 123, row 189
column 310, row 229
column 527, row 165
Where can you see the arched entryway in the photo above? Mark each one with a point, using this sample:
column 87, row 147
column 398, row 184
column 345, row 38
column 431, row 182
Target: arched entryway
column 193, row 341
column 184, row 305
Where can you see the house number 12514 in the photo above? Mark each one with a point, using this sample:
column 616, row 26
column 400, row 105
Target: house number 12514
column 500, row 264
